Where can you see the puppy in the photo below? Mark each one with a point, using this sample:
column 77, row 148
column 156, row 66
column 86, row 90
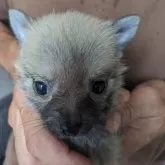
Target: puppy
column 70, row 69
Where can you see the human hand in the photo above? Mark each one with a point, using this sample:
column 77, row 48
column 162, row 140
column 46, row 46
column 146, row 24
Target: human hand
column 34, row 145
column 9, row 49
column 141, row 115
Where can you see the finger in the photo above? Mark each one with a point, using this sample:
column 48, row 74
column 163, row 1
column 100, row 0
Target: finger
column 135, row 107
column 155, row 84
column 123, row 97
column 126, row 115
column 16, row 105
column 23, row 155
column 139, row 134
column 121, row 118
column 133, row 143
column 10, row 153
column 8, row 49
column 114, row 122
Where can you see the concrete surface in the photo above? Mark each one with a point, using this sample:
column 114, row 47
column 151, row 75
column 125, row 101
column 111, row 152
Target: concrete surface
column 6, row 84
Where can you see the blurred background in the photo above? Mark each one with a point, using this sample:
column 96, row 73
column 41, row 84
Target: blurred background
column 6, row 83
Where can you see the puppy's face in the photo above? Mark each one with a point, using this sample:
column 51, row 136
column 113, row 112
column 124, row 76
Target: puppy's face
column 70, row 69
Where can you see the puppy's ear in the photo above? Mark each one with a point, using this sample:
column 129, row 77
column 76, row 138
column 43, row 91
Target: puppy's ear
column 125, row 29
column 19, row 22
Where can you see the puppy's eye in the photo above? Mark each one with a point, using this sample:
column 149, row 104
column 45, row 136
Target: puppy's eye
column 40, row 87
column 98, row 87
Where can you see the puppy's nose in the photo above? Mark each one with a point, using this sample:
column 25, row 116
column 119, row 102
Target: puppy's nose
column 72, row 128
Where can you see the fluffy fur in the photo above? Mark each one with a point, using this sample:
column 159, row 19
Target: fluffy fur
column 67, row 51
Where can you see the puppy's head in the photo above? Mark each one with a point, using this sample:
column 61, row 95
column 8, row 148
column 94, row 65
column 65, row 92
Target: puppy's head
column 69, row 67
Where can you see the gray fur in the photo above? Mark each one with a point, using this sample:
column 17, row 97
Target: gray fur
column 67, row 51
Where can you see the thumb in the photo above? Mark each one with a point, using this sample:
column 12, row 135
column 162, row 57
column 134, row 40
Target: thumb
column 22, row 153
column 117, row 117
column 120, row 119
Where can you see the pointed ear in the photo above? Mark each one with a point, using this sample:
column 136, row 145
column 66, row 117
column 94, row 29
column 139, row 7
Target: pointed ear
column 19, row 23
column 126, row 29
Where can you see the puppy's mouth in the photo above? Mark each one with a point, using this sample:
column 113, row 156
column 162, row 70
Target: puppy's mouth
column 85, row 140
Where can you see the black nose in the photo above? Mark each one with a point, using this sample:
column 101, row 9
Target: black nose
column 72, row 128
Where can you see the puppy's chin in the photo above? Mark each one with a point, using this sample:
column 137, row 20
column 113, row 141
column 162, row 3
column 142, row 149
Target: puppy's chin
column 98, row 144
